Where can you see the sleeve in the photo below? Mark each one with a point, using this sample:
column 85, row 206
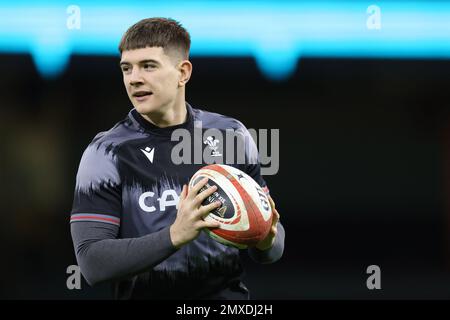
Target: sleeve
column 102, row 257
column 273, row 254
column 252, row 163
column 95, row 222
column 253, row 169
column 97, row 194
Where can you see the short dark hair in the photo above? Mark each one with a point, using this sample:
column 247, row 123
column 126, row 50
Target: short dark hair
column 157, row 32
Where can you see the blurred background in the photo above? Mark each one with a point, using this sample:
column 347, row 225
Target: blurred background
column 359, row 90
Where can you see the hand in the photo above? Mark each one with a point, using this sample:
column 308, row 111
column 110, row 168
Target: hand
column 190, row 215
column 269, row 240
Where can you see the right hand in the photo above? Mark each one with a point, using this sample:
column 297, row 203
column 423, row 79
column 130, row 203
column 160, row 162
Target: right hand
column 190, row 215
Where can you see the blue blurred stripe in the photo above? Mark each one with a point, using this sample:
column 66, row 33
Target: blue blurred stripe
column 276, row 33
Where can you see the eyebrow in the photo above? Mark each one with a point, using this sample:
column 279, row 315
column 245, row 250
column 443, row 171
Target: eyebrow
column 140, row 62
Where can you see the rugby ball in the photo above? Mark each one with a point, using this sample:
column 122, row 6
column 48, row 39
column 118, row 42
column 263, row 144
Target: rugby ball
column 245, row 215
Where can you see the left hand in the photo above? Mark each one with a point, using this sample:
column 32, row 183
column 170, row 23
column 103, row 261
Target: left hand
column 269, row 240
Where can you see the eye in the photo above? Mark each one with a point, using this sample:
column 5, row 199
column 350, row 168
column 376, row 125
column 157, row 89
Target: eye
column 149, row 66
column 126, row 69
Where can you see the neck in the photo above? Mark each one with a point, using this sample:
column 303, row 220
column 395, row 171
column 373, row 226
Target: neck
column 170, row 115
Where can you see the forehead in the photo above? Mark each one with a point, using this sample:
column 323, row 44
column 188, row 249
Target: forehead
column 148, row 53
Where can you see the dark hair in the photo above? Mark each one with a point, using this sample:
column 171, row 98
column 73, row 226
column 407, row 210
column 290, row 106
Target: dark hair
column 157, row 32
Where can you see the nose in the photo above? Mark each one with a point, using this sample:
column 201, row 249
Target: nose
column 136, row 77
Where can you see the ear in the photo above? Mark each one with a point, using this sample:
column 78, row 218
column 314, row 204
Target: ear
column 185, row 68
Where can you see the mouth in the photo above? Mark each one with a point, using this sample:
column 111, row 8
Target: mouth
column 142, row 95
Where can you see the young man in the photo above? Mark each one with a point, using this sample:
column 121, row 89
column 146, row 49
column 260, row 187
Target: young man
column 133, row 221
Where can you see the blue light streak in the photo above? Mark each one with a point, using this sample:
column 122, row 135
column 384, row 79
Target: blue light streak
column 275, row 33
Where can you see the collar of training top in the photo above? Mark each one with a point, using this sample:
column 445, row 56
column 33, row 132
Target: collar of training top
column 148, row 126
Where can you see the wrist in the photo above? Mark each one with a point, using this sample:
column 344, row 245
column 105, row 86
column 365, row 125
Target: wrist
column 174, row 239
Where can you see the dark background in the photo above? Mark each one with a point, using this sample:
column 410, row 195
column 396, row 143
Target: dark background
column 363, row 180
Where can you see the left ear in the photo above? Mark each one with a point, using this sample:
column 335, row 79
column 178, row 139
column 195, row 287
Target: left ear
column 185, row 68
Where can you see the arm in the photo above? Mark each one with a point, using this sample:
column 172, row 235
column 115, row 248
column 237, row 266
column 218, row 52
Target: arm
column 272, row 254
column 271, row 248
column 99, row 254
column 102, row 257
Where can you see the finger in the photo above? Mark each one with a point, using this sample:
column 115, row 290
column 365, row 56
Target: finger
column 204, row 211
column 183, row 193
column 208, row 224
column 274, row 230
column 272, row 203
column 276, row 216
column 195, row 189
column 204, row 195
column 186, row 191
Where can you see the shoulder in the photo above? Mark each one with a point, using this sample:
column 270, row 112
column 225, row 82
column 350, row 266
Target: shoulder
column 121, row 132
column 109, row 141
column 99, row 161
column 217, row 120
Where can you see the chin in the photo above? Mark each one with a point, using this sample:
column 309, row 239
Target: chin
column 145, row 108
